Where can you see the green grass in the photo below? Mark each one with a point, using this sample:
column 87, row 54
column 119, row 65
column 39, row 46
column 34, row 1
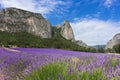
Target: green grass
column 27, row 40
column 51, row 71
column 60, row 71
column 114, row 62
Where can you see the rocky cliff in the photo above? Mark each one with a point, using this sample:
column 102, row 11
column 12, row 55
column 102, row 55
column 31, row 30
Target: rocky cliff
column 57, row 26
column 114, row 41
column 66, row 31
column 14, row 20
column 81, row 43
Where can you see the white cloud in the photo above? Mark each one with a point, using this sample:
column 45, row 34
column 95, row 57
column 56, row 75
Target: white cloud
column 108, row 3
column 95, row 31
column 40, row 6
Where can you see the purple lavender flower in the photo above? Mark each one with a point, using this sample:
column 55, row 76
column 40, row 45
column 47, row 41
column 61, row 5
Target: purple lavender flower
column 21, row 61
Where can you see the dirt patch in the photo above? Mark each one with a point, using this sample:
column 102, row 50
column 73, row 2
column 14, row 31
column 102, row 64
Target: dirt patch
column 113, row 53
column 2, row 76
column 12, row 50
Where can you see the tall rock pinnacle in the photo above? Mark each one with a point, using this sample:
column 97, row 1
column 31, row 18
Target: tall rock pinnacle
column 66, row 31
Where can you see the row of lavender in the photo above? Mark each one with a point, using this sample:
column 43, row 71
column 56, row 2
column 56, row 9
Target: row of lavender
column 18, row 62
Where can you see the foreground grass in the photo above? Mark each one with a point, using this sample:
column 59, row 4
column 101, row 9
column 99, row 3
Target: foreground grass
column 64, row 71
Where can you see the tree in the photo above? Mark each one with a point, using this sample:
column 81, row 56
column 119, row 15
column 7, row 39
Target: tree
column 116, row 48
column 101, row 50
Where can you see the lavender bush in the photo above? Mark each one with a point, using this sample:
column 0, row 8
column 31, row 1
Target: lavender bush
column 55, row 64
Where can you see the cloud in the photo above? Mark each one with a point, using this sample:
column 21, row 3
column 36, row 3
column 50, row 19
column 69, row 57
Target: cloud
column 95, row 31
column 40, row 6
column 109, row 3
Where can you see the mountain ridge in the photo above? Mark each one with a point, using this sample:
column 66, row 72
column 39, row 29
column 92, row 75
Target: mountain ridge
column 17, row 20
column 14, row 20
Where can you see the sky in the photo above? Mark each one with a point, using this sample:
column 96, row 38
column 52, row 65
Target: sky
column 94, row 22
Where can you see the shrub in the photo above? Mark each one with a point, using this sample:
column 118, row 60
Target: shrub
column 116, row 48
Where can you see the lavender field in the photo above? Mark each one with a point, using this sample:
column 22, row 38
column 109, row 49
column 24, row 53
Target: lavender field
column 55, row 64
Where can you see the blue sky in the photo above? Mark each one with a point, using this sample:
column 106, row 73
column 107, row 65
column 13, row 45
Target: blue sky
column 93, row 21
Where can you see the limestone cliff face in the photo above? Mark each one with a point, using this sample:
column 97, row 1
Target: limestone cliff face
column 14, row 20
column 114, row 41
column 66, row 31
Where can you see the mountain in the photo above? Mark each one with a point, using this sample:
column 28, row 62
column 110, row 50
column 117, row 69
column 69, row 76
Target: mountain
column 99, row 46
column 114, row 41
column 15, row 20
column 66, row 31
column 28, row 40
column 81, row 43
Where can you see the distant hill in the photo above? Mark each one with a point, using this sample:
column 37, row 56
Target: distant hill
column 99, row 46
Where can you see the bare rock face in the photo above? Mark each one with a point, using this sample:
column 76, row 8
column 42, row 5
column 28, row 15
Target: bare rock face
column 57, row 26
column 81, row 43
column 114, row 41
column 66, row 31
column 14, row 20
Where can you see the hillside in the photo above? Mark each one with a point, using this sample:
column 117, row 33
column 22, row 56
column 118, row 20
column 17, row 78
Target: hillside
column 114, row 41
column 27, row 40
column 20, row 28
column 99, row 46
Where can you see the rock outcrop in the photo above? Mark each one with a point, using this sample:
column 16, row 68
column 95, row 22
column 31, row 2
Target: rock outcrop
column 66, row 31
column 57, row 26
column 114, row 41
column 81, row 43
column 14, row 20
